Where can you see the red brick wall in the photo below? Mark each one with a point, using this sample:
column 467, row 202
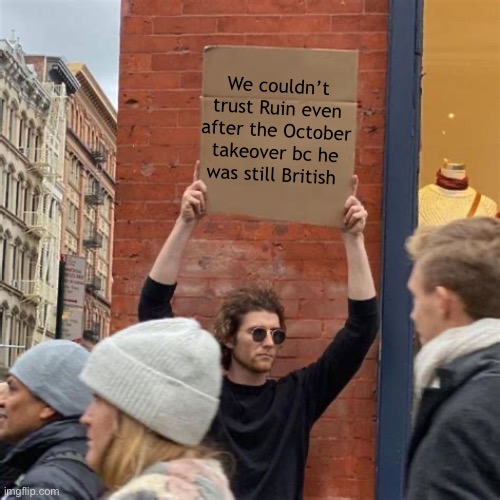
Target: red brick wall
column 161, row 55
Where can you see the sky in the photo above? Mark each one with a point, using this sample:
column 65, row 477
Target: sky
column 85, row 31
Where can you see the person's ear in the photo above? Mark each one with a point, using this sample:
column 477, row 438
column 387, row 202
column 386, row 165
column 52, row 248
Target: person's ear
column 231, row 342
column 47, row 413
column 445, row 298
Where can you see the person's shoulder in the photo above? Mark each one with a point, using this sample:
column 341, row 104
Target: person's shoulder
column 64, row 477
column 63, row 468
column 472, row 407
column 193, row 478
column 291, row 381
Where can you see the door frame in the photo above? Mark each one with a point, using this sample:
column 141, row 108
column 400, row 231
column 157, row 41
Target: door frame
column 401, row 171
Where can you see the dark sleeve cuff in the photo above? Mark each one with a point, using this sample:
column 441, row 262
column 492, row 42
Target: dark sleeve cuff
column 362, row 307
column 363, row 316
column 159, row 291
column 155, row 300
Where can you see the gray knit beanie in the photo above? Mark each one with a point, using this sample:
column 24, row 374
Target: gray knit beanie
column 164, row 373
column 50, row 371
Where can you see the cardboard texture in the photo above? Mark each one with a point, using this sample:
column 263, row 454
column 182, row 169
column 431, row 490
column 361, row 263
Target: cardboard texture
column 254, row 137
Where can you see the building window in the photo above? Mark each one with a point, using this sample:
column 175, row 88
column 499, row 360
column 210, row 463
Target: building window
column 74, row 174
column 52, row 209
column 105, row 208
column 103, row 251
column 113, row 165
column 8, row 249
column 18, row 185
column 12, row 114
column 35, row 200
column 3, row 259
column 38, row 145
column 41, row 270
column 21, row 138
column 2, row 113
column 3, row 179
column 15, row 193
column 71, row 244
column 27, row 201
column 8, row 188
column 12, row 123
column 17, row 339
column 2, row 340
column 20, row 276
column 30, row 140
column 14, row 266
column 460, row 112
column 73, row 217
column 32, row 263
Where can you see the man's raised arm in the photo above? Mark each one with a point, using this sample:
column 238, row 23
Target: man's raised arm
column 360, row 285
column 159, row 287
column 325, row 379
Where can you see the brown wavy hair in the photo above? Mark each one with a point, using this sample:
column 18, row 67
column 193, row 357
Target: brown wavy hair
column 239, row 303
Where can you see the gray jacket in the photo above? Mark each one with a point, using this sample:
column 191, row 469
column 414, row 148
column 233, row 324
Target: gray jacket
column 455, row 448
column 52, row 458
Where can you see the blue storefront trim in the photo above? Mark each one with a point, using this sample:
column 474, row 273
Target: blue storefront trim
column 400, row 214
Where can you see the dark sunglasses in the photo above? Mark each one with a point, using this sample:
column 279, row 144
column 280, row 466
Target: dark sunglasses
column 259, row 333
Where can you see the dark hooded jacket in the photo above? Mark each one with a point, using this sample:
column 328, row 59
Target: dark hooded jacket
column 52, row 458
column 455, row 449
column 7, row 474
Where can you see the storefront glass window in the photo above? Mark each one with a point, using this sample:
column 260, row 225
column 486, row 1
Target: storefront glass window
column 460, row 154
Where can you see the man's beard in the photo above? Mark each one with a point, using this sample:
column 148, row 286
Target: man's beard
column 252, row 365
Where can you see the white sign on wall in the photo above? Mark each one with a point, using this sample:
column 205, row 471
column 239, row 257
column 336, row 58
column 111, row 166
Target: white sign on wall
column 74, row 296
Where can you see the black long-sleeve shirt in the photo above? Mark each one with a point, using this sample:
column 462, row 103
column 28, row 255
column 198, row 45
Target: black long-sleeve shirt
column 266, row 428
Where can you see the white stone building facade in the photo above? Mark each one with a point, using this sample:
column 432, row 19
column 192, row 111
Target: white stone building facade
column 24, row 108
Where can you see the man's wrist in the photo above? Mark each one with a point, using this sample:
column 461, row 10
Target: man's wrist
column 353, row 238
column 184, row 224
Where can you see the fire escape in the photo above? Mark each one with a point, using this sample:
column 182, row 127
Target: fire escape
column 93, row 241
column 47, row 159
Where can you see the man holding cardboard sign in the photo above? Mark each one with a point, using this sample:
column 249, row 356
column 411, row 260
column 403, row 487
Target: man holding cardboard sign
column 265, row 424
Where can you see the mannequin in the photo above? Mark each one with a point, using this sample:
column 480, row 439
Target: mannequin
column 452, row 198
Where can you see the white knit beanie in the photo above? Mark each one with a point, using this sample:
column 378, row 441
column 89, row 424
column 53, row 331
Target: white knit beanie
column 164, row 373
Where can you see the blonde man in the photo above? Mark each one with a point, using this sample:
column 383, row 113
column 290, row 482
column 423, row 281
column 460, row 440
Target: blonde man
column 455, row 447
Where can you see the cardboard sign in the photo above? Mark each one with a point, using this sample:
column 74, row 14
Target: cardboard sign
column 278, row 132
